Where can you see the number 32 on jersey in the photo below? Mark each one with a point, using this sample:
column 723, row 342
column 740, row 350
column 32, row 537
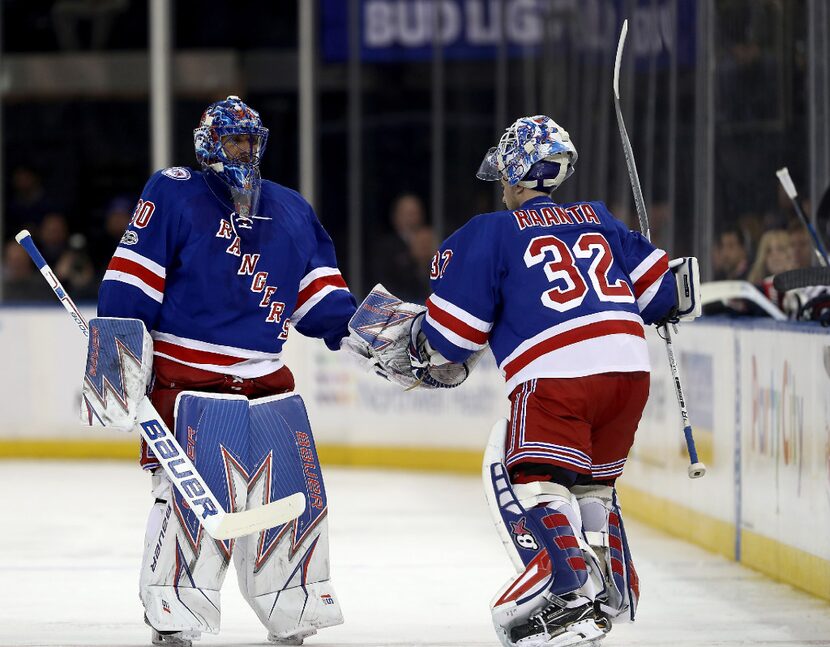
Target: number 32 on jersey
column 563, row 268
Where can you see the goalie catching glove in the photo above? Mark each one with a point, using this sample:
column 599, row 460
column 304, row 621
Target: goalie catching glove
column 118, row 368
column 385, row 333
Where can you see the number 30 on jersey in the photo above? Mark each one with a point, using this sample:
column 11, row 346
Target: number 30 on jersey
column 563, row 268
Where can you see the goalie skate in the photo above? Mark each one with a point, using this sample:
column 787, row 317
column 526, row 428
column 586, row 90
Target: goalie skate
column 293, row 639
column 174, row 638
column 561, row 626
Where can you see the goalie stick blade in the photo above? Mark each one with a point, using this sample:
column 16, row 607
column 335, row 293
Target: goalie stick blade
column 802, row 278
column 237, row 524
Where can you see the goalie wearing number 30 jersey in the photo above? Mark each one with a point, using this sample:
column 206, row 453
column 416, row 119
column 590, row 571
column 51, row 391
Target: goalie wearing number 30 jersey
column 217, row 265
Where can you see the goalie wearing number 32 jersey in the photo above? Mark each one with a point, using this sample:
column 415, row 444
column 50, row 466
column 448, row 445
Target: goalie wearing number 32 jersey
column 557, row 290
column 561, row 293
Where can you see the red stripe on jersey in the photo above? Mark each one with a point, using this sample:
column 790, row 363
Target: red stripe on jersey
column 316, row 285
column 127, row 266
column 455, row 324
column 583, row 333
column 660, row 267
column 194, row 356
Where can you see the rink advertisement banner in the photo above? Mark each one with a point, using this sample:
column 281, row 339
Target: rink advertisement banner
column 785, row 437
column 41, row 392
column 756, row 393
column 658, row 461
column 409, row 30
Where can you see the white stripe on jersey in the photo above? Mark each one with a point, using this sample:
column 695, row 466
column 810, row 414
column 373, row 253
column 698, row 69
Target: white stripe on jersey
column 315, row 274
column 130, row 255
column 646, row 264
column 301, row 312
column 132, row 279
column 220, row 349
column 459, row 313
column 565, row 326
column 650, row 292
column 606, row 354
column 452, row 337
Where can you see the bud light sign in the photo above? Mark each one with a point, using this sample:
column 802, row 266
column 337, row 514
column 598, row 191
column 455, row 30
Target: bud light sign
column 400, row 30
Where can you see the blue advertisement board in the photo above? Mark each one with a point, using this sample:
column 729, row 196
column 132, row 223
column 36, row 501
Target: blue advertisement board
column 408, row 30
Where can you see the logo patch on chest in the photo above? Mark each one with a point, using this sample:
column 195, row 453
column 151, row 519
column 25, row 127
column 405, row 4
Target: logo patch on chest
column 177, row 173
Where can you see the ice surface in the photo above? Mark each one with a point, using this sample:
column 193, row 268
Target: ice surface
column 414, row 558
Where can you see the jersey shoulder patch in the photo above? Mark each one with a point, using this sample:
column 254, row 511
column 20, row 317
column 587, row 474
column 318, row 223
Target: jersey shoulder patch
column 177, row 173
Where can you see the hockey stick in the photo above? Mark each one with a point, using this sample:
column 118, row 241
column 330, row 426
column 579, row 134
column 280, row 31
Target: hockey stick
column 218, row 523
column 696, row 468
column 805, row 277
column 789, row 188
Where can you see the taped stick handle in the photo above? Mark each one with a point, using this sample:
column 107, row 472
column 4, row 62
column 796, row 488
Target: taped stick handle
column 783, row 175
column 24, row 238
column 787, row 182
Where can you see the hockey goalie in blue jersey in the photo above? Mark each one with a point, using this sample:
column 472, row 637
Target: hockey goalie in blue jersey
column 216, row 267
column 560, row 293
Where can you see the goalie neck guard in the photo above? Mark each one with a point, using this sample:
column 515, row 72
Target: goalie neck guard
column 230, row 142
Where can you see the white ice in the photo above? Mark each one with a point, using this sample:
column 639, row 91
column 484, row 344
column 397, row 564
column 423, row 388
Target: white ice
column 415, row 561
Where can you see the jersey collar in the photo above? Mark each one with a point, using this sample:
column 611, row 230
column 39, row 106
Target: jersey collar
column 539, row 199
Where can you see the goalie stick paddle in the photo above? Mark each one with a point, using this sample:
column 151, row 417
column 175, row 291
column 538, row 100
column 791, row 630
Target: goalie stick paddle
column 218, row 523
column 696, row 468
column 805, row 277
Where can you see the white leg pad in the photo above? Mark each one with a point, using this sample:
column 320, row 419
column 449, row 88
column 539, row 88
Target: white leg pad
column 298, row 611
column 185, row 609
column 179, row 587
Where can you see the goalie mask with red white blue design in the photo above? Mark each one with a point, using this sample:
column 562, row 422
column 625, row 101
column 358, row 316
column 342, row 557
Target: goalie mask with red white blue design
column 534, row 152
column 230, row 142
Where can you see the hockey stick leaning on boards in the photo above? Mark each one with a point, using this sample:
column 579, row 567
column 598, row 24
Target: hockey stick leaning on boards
column 696, row 468
column 218, row 523
column 787, row 183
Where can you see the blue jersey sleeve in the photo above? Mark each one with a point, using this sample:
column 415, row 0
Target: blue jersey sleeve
column 648, row 268
column 133, row 285
column 324, row 303
column 465, row 279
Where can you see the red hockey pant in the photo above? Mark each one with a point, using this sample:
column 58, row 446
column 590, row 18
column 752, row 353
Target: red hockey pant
column 583, row 424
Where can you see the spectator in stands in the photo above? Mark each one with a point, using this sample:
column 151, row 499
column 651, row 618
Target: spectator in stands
column 21, row 280
column 28, row 204
column 422, row 247
column 774, row 256
column 731, row 255
column 75, row 270
column 103, row 242
column 396, row 267
column 801, row 245
column 52, row 236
